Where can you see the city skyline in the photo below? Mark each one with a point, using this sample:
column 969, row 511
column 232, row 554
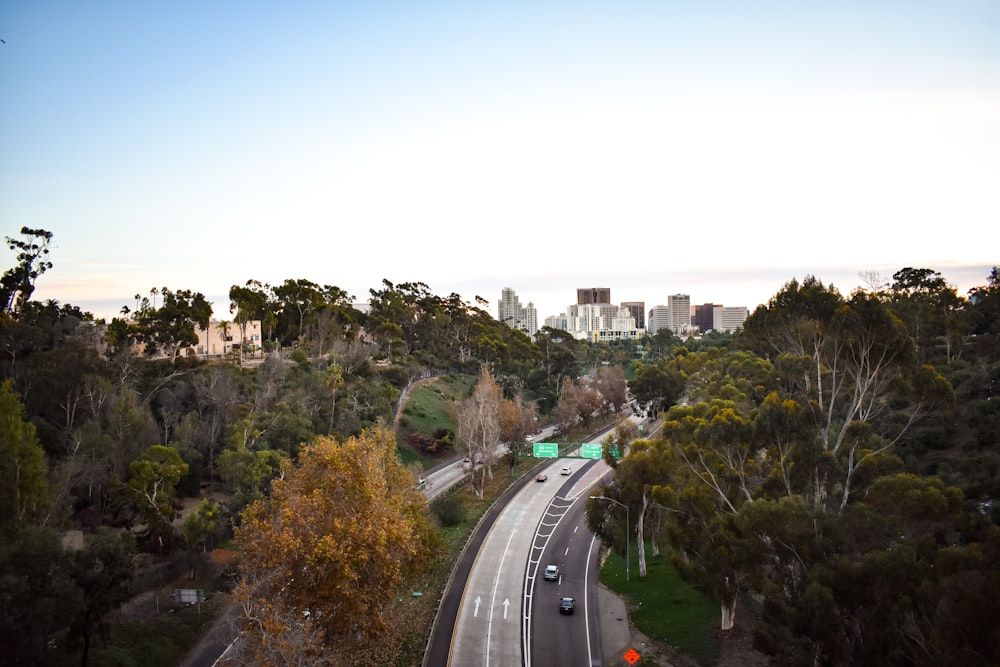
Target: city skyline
column 715, row 149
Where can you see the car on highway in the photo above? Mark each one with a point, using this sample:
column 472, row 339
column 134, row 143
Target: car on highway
column 541, row 478
column 551, row 573
column 565, row 471
column 566, row 605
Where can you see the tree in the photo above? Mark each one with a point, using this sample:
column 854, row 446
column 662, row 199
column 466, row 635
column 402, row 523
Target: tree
column 323, row 555
column 853, row 364
column 23, row 475
column 152, row 482
column 175, row 324
column 197, row 528
column 610, row 381
column 929, row 307
column 18, row 284
column 297, row 301
column 517, row 422
column 658, row 385
column 102, row 571
column 247, row 304
column 478, row 427
column 37, row 591
column 224, row 328
column 985, row 305
column 578, row 401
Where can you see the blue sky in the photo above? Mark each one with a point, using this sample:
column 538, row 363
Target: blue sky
column 716, row 149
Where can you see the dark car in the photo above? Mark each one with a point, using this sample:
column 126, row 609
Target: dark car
column 566, row 605
column 541, row 478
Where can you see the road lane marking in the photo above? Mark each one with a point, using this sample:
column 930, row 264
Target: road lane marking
column 496, row 584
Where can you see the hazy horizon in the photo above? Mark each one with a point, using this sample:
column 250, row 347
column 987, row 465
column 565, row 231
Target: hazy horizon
column 715, row 149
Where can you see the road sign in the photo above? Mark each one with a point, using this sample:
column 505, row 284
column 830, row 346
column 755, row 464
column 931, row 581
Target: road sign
column 189, row 595
column 546, row 450
column 632, row 656
column 594, row 450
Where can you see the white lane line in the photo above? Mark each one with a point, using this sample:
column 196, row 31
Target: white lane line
column 496, row 584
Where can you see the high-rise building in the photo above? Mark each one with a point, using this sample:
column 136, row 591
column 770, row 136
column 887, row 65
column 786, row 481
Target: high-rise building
column 659, row 318
column 679, row 313
column 729, row 318
column 557, row 322
column 513, row 314
column 638, row 310
column 703, row 316
column 587, row 295
column 585, row 320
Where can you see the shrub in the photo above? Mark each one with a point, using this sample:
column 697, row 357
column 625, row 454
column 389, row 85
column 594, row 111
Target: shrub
column 450, row 511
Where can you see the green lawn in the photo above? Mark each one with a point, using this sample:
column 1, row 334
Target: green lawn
column 428, row 406
column 665, row 608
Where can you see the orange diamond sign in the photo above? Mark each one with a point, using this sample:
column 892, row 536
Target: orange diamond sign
column 631, row 656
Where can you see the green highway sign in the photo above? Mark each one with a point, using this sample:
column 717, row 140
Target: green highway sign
column 546, row 450
column 594, row 450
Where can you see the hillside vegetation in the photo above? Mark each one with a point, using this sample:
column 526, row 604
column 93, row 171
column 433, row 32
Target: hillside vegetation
column 835, row 462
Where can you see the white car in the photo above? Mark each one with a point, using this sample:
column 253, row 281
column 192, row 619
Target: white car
column 565, row 471
column 551, row 573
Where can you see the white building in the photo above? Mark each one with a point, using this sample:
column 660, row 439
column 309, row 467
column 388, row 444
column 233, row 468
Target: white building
column 601, row 322
column 557, row 322
column 729, row 318
column 222, row 338
column 679, row 313
column 583, row 318
column 659, row 318
column 513, row 314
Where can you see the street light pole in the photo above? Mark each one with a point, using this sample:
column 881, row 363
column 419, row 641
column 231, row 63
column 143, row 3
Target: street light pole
column 628, row 537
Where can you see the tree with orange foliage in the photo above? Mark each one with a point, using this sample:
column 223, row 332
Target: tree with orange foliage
column 322, row 556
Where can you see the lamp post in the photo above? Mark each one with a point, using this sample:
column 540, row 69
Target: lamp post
column 628, row 537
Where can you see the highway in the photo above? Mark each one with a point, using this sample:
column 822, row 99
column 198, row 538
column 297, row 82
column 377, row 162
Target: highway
column 498, row 609
column 550, row 637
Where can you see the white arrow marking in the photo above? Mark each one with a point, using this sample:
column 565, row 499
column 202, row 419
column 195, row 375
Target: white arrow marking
column 475, row 612
column 506, row 604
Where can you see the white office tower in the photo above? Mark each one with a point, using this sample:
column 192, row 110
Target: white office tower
column 581, row 319
column 624, row 320
column 679, row 313
column 729, row 318
column 557, row 322
column 513, row 314
column 659, row 318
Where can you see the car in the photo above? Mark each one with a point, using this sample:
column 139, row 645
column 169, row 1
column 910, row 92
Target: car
column 551, row 573
column 565, row 471
column 566, row 605
column 541, row 478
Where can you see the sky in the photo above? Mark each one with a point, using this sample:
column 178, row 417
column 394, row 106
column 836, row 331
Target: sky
column 715, row 149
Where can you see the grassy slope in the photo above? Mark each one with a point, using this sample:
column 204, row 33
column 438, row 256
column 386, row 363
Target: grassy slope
column 665, row 608
column 428, row 408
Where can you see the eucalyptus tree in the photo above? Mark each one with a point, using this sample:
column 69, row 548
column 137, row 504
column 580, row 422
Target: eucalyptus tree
column 478, row 428
column 18, row 283
column 810, row 427
column 246, row 304
column 23, row 479
column 657, row 384
column 930, row 308
column 852, row 363
column 175, row 324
